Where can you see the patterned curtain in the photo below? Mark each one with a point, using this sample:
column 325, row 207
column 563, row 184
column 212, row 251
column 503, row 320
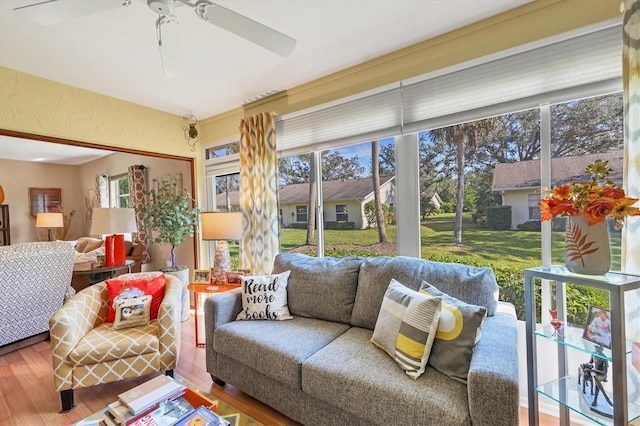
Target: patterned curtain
column 102, row 190
column 137, row 186
column 259, row 193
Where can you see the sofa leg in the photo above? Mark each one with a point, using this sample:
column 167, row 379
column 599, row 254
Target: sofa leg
column 218, row 381
column 169, row 373
column 66, row 396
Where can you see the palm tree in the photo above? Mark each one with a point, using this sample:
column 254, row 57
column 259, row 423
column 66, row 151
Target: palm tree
column 459, row 134
column 375, row 175
column 311, row 214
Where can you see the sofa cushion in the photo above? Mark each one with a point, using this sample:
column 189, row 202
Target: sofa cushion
column 264, row 297
column 406, row 327
column 323, row 288
column 459, row 330
column 350, row 373
column 276, row 348
column 467, row 283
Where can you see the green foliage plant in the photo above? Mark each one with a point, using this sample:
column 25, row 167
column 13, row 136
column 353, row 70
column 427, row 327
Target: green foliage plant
column 168, row 216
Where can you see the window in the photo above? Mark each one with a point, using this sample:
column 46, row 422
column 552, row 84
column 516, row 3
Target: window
column 534, row 206
column 222, row 151
column 301, row 213
column 342, row 213
column 119, row 191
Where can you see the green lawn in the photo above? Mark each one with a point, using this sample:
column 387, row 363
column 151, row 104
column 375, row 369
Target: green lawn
column 519, row 249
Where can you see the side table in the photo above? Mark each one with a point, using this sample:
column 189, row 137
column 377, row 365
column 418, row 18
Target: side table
column 198, row 288
column 80, row 279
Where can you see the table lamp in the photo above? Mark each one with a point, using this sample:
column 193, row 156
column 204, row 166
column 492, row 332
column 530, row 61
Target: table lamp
column 221, row 226
column 49, row 220
column 115, row 222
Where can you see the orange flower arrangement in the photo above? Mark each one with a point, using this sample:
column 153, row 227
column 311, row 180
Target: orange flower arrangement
column 592, row 199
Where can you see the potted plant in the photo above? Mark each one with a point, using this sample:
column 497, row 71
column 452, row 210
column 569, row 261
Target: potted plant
column 170, row 216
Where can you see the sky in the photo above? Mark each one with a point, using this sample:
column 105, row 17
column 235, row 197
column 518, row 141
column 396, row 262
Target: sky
column 363, row 151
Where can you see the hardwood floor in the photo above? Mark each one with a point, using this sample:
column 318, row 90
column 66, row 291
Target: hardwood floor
column 28, row 397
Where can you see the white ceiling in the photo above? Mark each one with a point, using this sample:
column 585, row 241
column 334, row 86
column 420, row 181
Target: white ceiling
column 115, row 52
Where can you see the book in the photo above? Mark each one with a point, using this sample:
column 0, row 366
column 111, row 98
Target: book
column 150, row 393
column 201, row 416
column 168, row 414
column 125, row 417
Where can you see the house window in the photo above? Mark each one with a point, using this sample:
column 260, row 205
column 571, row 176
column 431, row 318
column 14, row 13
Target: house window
column 342, row 213
column 534, row 206
column 119, row 191
column 301, row 213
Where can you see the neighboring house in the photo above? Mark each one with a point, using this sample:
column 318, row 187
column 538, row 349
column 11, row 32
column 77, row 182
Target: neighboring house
column 431, row 198
column 519, row 183
column 343, row 200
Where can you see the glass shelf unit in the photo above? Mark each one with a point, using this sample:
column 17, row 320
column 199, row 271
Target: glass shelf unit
column 564, row 390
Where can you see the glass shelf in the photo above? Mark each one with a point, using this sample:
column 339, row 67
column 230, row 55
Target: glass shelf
column 572, row 337
column 567, row 392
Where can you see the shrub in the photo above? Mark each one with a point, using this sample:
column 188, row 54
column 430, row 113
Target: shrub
column 499, row 218
column 532, row 225
column 340, row 226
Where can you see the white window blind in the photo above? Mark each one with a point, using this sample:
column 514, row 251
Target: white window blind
column 585, row 65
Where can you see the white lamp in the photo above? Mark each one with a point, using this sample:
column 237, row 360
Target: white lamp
column 115, row 222
column 49, row 220
column 221, row 226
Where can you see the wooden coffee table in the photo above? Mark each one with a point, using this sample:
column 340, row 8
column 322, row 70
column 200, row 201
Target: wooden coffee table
column 198, row 288
column 81, row 279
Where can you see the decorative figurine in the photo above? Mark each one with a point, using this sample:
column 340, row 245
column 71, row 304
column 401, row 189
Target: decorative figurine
column 593, row 374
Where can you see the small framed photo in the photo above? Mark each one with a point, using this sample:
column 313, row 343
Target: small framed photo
column 202, row 276
column 597, row 329
column 234, row 277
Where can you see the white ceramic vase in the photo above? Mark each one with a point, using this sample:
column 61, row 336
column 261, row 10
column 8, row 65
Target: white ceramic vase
column 587, row 246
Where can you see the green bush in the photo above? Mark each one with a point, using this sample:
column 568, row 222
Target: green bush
column 298, row 225
column 499, row 218
column 532, row 225
column 340, row 226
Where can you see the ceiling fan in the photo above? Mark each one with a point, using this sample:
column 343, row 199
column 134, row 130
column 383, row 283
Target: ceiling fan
column 167, row 29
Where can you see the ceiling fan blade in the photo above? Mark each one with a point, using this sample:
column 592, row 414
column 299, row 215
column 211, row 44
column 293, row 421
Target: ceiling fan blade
column 169, row 42
column 246, row 28
column 55, row 11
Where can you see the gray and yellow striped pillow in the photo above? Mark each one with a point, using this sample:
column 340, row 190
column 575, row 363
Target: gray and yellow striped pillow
column 406, row 327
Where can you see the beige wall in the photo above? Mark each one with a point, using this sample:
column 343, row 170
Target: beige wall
column 17, row 177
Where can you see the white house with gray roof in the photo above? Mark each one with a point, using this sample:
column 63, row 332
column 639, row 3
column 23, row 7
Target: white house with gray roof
column 343, row 200
column 519, row 182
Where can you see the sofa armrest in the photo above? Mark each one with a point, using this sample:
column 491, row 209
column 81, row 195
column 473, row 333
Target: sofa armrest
column 219, row 309
column 492, row 383
column 169, row 324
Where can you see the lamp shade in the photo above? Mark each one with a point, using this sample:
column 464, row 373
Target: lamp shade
column 221, row 225
column 49, row 220
column 113, row 221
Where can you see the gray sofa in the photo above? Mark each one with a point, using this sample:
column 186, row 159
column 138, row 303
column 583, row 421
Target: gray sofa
column 320, row 368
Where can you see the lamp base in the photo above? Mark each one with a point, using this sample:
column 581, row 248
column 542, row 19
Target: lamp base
column 221, row 262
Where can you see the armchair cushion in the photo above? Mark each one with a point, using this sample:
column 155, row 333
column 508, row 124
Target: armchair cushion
column 103, row 343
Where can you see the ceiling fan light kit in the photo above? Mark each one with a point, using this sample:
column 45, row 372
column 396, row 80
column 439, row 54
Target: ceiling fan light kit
column 167, row 27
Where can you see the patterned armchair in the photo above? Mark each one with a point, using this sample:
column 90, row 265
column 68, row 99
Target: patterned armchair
column 35, row 279
column 87, row 351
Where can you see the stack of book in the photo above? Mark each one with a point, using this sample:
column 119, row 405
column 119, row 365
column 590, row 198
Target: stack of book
column 159, row 402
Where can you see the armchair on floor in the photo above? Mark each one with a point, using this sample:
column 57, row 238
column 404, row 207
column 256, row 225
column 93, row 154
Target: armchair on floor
column 88, row 351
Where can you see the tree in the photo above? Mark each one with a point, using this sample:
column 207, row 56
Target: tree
column 461, row 136
column 375, row 176
column 313, row 195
